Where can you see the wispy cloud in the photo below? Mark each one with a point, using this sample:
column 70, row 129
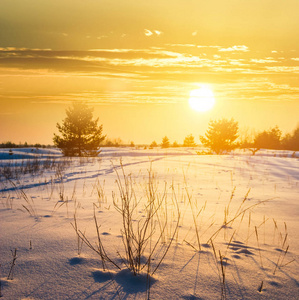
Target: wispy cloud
column 235, row 48
column 283, row 69
column 148, row 32
column 181, row 45
column 102, row 37
column 264, row 60
column 133, row 60
column 154, row 68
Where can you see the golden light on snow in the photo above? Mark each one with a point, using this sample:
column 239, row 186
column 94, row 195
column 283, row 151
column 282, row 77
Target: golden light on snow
column 202, row 99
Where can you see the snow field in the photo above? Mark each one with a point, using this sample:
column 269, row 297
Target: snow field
column 227, row 225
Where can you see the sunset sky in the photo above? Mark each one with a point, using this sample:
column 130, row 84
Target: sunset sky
column 136, row 62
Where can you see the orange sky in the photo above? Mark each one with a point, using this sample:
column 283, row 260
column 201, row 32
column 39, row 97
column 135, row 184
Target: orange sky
column 137, row 61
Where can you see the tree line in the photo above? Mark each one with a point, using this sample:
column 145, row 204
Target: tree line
column 80, row 135
column 223, row 136
column 10, row 144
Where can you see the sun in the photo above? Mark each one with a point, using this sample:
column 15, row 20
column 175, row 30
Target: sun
column 202, row 99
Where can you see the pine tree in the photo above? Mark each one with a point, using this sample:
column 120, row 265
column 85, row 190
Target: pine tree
column 165, row 142
column 81, row 136
column 175, row 144
column 189, row 141
column 153, row 144
column 220, row 135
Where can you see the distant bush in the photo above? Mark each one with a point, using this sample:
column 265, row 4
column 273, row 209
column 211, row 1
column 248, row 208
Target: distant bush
column 113, row 143
column 291, row 140
column 153, row 144
column 268, row 139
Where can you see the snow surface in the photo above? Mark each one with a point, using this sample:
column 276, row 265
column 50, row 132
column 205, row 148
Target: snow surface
column 247, row 205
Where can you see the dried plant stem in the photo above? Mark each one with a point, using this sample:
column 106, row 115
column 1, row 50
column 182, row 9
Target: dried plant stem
column 275, row 229
column 229, row 243
column 248, row 229
column 0, row 283
column 223, row 289
column 99, row 248
column 226, row 209
column 79, row 239
column 257, row 238
column 278, row 263
column 261, row 287
column 244, row 200
column 235, row 217
column 221, row 272
column 177, row 225
column 194, row 218
column 12, row 264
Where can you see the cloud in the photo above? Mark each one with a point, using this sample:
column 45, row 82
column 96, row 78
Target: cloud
column 181, row 45
column 148, row 32
column 88, row 55
column 283, row 69
column 203, row 46
column 137, row 64
column 264, row 61
column 235, row 48
column 194, row 33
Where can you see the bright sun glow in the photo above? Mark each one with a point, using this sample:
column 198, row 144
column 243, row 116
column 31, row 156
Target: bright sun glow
column 202, row 99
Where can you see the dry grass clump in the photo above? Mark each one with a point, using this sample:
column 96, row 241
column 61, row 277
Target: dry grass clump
column 141, row 234
column 138, row 237
column 98, row 247
column 14, row 169
column 29, row 205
